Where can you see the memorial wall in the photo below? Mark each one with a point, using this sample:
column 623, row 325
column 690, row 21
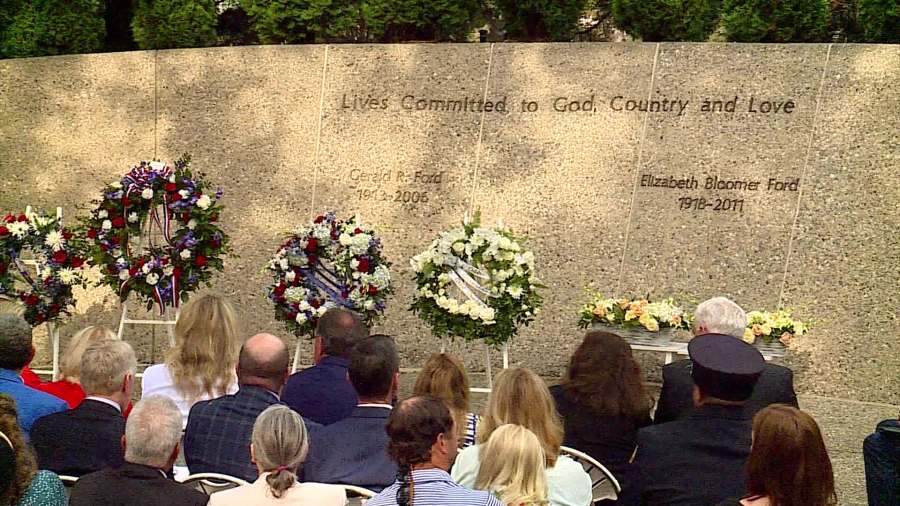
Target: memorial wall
column 767, row 173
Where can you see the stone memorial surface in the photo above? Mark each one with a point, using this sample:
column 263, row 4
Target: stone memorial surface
column 767, row 173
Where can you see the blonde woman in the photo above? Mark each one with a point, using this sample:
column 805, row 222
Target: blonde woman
column 520, row 397
column 515, row 471
column 201, row 365
column 444, row 377
column 68, row 387
column 278, row 447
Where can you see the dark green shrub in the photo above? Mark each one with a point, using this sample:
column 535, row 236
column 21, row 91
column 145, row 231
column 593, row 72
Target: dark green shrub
column 540, row 20
column 52, row 27
column 667, row 20
column 164, row 24
column 299, row 21
column 776, row 20
column 879, row 20
column 433, row 20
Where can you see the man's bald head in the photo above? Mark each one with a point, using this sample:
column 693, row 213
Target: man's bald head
column 263, row 362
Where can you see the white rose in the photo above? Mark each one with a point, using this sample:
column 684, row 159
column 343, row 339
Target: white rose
column 369, row 304
column 121, row 261
column 132, row 217
column 67, row 276
column 172, row 178
column 459, row 247
column 102, row 213
column 301, row 318
column 290, row 276
column 184, row 193
column 185, row 254
column 204, row 202
column 46, row 273
column 106, row 225
column 123, row 275
column 152, row 278
column 116, row 253
column 192, row 224
column 345, row 239
column 283, row 263
column 304, row 305
column 321, row 310
column 354, row 263
column 147, row 193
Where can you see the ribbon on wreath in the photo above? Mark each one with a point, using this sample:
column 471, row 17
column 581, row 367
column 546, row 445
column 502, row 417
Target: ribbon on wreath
column 467, row 284
column 141, row 178
column 321, row 278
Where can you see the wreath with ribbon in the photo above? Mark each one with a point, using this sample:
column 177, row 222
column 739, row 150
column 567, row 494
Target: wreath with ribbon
column 176, row 213
column 476, row 283
column 46, row 291
column 328, row 263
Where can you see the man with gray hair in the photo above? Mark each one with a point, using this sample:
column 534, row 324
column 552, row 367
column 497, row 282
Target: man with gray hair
column 89, row 437
column 16, row 351
column 152, row 441
column 720, row 315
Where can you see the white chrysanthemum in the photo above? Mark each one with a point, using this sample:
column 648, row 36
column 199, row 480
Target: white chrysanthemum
column 106, row 225
column 321, row 232
column 204, row 202
column 133, row 217
column 18, row 228
column 121, row 261
column 321, row 310
column 116, row 185
column 152, row 278
column 515, row 291
column 300, row 318
column 55, row 240
column 184, row 193
column 147, row 194
column 102, row 214
column 168, row 270
column 185, row 254
column 304, row 305
column 67, row 276
column 345, row 239
column 123, row 275
column 295, row 294
column 290, row 276
column 46, row 273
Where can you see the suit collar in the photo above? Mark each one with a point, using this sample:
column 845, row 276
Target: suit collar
column 332, row 361
column 716, row 411
column 141, row 471
column 94, row 404
column 370, row 412
column 259, row 393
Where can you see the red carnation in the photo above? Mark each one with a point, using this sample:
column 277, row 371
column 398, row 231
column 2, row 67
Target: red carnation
column 2, row 268
column 291, row 315
column 118, row 222
column 115, row 240
column 92, row 233
column 185, row 217
column 312, row 259
column 176, row 272
column 357, row 230
column 32, row 300
column 364, row 265
column 9, row 218
column 373, row 290
column 60, row 256
column 279, row 290
column 66, row 234
column 315, row 303
column 3, row 230
column 319, row 219
column 77, row 262
column 170, row 187
column 311, row 245
column 39, row 318
column 215, row 242
column 112, row 269
column 200, row 261
column 176, row 197
column 126, row 201
column 104, row 247
column 362, row 290
column 54, row 309
column 131, row 272
column 22, row 217
column 334, row 234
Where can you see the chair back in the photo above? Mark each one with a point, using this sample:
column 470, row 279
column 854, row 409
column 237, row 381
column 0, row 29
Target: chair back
column 603, row 484
column 210, row 483
column 357, row 496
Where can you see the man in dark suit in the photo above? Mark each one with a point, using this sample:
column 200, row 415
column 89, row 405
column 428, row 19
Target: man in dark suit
column 217, row 435
column 720, row 316
column 152, row 441
column 89, row 437
column 700, row 460
column 322, row 393
column 353, row 451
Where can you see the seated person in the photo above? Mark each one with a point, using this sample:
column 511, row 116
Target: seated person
column 602, row 401
column 521, row 397
column 423, row 444
column 322, row 393
column 68, row 387
column 217, row 438
column 720, row 316
column 152, row 441
column 881, row 452
column 279, row 446
column 201, row 365
column 26, row 485
column 89, row 437
column 16, row 351
column 444, row 377
column 515, row 471
column 700, row 460
column 352, row 451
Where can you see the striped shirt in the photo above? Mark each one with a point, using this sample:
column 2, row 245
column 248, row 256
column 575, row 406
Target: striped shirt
column 471, row 429
column 434, row 487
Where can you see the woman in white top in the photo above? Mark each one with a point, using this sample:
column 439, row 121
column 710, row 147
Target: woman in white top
column 520, row 397
column 278, row 446
column 201, row 365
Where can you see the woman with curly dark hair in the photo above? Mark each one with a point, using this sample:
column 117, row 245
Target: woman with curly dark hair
column 29, row 487
column 602, row 401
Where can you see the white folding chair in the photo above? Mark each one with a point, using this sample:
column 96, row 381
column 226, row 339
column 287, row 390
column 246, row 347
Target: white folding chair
column 603, row 484
column 357, row 496
column 210, row 483
column 68, row 482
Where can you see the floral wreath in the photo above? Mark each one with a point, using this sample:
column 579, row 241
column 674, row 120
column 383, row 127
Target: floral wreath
column 47, row 296
column 629, row 313
column 191, row 247
column 476, row 283
column 328, row 263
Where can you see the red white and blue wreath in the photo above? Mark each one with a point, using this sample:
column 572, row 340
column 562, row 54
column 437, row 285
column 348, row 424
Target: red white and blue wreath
column 328, row 263
column 45, row 292
column 188, row 246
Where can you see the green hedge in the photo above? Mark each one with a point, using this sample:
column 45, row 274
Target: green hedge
column 535, row 20
column 879, row 20
column 776, row 20
column 667, row 20
column 164, row 24
column 51, row 27
column 428, row 20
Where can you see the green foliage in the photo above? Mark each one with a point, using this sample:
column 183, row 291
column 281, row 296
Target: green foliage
column 540, row 20
column 303, row 21
column 51, row 27
column 776, row 20
column 437, row 20
column 879, row 20
column 667, row 20
column 164, row 24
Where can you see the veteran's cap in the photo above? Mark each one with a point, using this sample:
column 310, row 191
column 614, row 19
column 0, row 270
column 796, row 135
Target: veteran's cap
column 724, row 366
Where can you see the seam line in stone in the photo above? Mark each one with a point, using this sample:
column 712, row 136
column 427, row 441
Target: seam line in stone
column 312, row 208
column 487, row 82
column 155, row 103
column 806, row 157
column 637, row 167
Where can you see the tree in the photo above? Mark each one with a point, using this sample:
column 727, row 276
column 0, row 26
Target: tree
column 540, row 20
column 306, row 21
column 776, row 20
column 52, row 27
column 879, row 20
column 436, row 20
column 164, row 24
column 667, row 20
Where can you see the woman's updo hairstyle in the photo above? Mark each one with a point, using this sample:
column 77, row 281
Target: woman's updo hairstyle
column 280, row 444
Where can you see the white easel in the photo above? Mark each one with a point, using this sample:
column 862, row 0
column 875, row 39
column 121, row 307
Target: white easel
column 52, row 330
column 504, row 350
